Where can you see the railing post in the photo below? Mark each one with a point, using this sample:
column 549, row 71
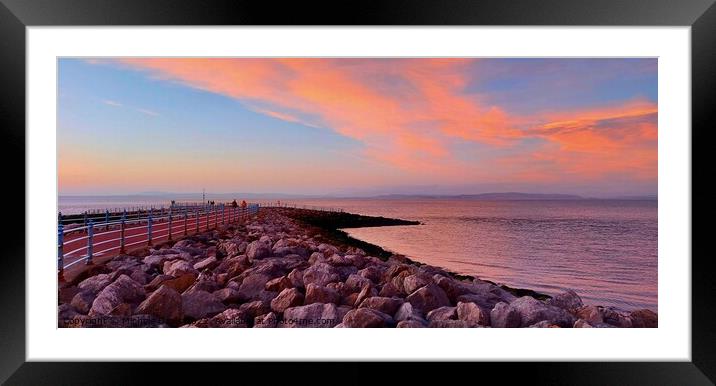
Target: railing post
column 207, row 218
column 170, row 224
column 60, row 250
column 196, row 211
column 185, row 222
column 85, row 221
column 149, row 230
column 223, row 213
column 121, row 235
column 106, row 218
column 90, row 242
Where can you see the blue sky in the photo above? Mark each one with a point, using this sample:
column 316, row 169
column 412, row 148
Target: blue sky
column 342, row 126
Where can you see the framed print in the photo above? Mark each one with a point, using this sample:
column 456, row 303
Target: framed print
column 476, row 182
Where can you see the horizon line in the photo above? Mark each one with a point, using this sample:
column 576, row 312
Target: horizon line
column 378, row 195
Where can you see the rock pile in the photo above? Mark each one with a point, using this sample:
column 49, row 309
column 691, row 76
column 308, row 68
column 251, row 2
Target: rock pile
column 273, row 271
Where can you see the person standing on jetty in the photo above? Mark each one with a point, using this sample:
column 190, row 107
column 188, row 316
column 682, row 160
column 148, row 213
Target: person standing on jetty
column 243, row 204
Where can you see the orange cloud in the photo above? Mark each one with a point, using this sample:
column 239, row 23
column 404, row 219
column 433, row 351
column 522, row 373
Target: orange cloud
column 407, row 112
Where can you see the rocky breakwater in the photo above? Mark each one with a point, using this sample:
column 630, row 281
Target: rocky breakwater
column 278, row 271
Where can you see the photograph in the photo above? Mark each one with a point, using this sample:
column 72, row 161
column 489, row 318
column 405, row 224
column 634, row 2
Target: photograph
column 357, row 192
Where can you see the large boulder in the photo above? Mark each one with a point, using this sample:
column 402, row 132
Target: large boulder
column 442, row 313
column 453, row 288
column 383, row 304
column 327, row 249
column 156, row 282
column 233, row 266
column 201, row 304
column 340, row 288
column 296, row 278
column 372, row 273
column 317, row 257
column 205, row 282
column 590, row 314
column 407, row 312
column 229, row 248
column 567, row 300
column 505, row 316
column 278, row 284
column 178, row 268
column 534, row 311
column 208, row 263
column 366, row 292
column 316, row 315
column 228, row 295
column 320, row 294
column 395, row 269
column 252, row 286
column 616, row 318
column 257, row 250
column 96, row 283
column 164, row 303
column 320, row 274
column 367, row 318
column 411, row 283
column 82, row 301
column 156, row 261
column 122, row 290
column 290, row 250
column 290, row 297
column 428, row 298
column 256, row 308
column 391, row 289
column 355, row 282
column 181, row 283
column 357, row 260
column 273, row 267
column 472, row 313
column 485, row 300
column 398, row 281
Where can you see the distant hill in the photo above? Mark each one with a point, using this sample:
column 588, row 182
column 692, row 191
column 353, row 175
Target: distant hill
column 635, row 198
column 488, row 196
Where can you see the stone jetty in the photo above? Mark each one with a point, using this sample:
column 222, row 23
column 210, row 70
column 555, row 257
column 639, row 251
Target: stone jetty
column 293, row 268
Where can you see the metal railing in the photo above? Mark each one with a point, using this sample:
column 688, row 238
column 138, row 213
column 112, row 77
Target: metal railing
column 115, row 214
column 116, row 234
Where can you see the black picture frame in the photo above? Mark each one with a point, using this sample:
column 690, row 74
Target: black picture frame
column 16, row 15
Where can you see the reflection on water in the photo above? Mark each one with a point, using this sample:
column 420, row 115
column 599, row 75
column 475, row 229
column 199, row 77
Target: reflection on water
column 605, row 250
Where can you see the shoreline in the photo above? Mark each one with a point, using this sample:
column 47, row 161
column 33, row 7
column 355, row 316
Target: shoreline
column 288, row 264
column 334, row 230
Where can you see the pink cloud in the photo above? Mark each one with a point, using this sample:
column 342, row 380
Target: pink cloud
column 407, row 112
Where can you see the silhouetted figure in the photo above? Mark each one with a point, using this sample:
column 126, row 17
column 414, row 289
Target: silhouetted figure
column 234, row 204
column 243, row 204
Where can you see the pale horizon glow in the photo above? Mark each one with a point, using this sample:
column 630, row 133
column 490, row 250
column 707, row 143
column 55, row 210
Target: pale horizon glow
column 357, row 126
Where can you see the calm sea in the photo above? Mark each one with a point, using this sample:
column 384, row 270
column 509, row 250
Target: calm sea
column 606, row 250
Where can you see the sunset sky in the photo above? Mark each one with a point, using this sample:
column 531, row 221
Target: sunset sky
column 358, row 126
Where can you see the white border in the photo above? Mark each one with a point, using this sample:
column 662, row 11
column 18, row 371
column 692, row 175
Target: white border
column 671, row 341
